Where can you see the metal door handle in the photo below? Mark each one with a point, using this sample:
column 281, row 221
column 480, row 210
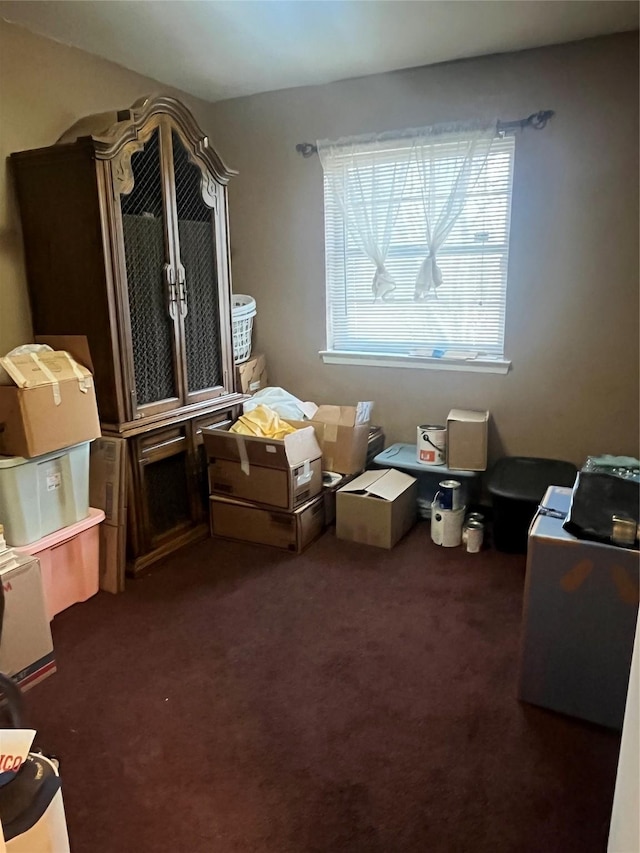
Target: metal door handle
column 170, row 279
column 182, row 291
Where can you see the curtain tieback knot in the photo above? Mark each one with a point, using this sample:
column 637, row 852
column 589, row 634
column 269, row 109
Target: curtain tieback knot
column 383, row 283
column 429, row 276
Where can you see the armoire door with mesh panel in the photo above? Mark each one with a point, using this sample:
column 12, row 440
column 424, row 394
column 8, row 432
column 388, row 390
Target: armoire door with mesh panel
column 150, row 292
column 198, row 272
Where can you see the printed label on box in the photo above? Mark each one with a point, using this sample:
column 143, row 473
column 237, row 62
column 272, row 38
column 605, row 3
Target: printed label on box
column 54, row 481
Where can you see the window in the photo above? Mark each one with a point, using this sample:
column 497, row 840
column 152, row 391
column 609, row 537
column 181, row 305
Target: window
column 395, row 206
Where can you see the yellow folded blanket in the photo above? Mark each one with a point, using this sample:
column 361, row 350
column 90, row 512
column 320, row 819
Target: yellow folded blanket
column 263, row 422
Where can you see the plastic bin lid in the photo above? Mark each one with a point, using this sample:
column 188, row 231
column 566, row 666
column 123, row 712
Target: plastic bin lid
column 13, row 461
column 526, row 478
column 63, row 534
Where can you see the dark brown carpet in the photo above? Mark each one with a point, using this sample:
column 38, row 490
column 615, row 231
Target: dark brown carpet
column 351, row 699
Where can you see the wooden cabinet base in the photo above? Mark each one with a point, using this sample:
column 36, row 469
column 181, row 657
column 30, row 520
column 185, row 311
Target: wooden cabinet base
column 138, row 567
column 167, row 487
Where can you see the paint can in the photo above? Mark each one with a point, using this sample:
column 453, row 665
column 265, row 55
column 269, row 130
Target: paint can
column 472, row 516
column 446, row 526
column 475, row 516
column 474, row 537
column 449, row 495
column 432, row 443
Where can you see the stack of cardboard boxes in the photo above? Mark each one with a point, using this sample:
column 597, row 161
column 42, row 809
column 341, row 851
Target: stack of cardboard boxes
column 48, row 417
column 271, row 491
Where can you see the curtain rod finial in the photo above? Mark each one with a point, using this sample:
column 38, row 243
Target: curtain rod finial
column 539, row 120
column 307, row 149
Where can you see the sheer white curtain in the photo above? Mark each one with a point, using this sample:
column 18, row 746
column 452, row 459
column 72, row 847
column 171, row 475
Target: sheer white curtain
column 367, row 178
column 368, row 175
column 449, row 165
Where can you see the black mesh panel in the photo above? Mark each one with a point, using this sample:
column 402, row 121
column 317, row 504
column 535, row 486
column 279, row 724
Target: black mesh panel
column 151, row 326
column 167, row 494
column 198, row 256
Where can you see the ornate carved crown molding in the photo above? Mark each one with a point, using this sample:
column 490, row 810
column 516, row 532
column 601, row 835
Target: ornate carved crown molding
column 111, row 132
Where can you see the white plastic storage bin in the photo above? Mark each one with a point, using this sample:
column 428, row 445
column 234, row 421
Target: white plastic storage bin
column 43, row 494
column 69, row 562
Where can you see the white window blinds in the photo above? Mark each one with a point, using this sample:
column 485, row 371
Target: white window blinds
column 416, row 241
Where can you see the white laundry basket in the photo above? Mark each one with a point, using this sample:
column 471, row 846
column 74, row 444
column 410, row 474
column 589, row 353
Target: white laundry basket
column 243, row 312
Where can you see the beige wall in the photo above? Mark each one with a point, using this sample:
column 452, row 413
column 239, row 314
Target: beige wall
column 572, row 314
column 572, row 324
column 44, row 88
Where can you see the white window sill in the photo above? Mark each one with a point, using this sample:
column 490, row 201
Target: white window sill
column 368, row 359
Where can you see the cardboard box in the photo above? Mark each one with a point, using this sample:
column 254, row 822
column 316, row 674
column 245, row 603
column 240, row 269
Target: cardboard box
column 26, row 651
column 108, row 492
column 251, row 375
column 247, row 522
column 467, row 438
column 580, row 610
column 50, row 402
column 377, row 508
column 283, row 473
column 343, row 435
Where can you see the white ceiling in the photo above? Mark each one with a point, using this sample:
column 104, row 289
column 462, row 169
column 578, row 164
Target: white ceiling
column 218, row 49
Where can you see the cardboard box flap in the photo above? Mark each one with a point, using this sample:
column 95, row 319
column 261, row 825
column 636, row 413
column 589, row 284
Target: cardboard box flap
column 344, row 415
column 301, row 445
column 391, row 485
column 363, row 482
column 76, row 345
column 34, row 370
column 467, row 415
column 386, row 484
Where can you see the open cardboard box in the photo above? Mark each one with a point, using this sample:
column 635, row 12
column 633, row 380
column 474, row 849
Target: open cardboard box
column 283, row 473
column 343, row 435
column 49, row 402
column 377, row 508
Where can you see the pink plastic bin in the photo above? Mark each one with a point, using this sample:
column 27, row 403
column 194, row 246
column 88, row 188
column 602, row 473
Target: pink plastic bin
column 69, row 562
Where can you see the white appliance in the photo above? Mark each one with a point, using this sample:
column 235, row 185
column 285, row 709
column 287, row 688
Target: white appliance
column 41, row 826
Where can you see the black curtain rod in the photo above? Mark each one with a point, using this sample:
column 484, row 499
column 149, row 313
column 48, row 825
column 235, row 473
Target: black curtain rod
column 536, row 120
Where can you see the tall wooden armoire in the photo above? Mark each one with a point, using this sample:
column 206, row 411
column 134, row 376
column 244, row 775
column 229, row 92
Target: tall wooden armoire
column 126, row 241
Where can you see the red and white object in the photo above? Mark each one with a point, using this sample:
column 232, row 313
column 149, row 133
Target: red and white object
column 69, row 562
column 432, row 444
column 26, row 651
column 44, row 819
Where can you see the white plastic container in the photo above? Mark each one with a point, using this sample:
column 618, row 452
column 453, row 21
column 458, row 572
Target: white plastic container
column 243, row 311
column 69, row 562
column 39, row 496
column 446, row 525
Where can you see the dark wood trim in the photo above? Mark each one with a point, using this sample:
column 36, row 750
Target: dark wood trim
column 136, row 567
column 138, row 427
column 110, row 132
column 113, row 251
column 224, row 275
